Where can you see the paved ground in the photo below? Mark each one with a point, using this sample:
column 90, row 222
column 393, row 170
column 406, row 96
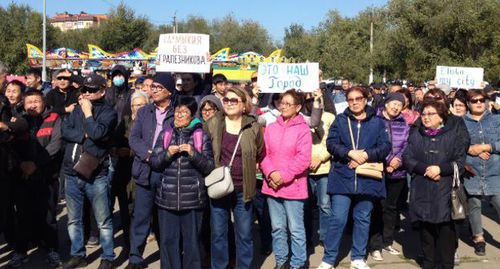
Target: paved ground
column 410, row 250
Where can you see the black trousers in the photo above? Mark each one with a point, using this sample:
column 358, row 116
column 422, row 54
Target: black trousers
column 438, row 242
column 35, row 201
column 385, row 215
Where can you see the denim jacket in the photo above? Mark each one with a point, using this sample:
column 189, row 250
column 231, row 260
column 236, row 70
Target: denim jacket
column 487, row 178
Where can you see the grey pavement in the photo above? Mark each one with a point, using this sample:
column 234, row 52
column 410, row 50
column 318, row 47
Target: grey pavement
column 405, row 236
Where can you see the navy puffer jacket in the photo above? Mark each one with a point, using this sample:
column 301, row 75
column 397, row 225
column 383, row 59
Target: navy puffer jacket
column 182, row 184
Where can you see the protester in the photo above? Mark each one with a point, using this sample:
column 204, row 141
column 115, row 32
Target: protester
column 386, row 214
column 209, row 106
column 419, row 98
column 372, row 145
column 459, row 103
column 87, row 131
column 430, row 156
column 482, row 162
column 63, row 97
column 219, row 82
column 182, row 195
column 35, row 191
column 288, row 156
column 150, row 121
column 408, row 113
column 4, row 71
column 14, row 93
column 34, row 81
column 224, row 129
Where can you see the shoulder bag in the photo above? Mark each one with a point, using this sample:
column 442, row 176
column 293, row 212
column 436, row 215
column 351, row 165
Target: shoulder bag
column 219, row 182
column 371, row 170
column 459, row 208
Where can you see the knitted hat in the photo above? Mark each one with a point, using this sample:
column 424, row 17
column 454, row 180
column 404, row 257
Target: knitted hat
column 395, row 96
column 166, row 80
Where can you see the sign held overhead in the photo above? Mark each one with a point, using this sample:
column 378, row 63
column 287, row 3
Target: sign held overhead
column 279, row 77
column 183, row 53
column 460, row 77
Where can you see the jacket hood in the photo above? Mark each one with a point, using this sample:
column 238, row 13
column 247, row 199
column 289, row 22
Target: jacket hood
column 297, row 120
column 370, row 112
column 120, row 69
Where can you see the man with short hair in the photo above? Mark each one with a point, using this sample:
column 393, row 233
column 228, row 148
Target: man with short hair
column 88, row 131
column 219, row 82
column 36, row 189
column 150, row 121
column 34, row 81
column 395, row 87
column 63, row 98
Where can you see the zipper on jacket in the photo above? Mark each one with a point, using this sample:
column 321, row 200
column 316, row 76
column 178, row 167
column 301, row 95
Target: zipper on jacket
column 357, row 146
column 178, row 180
column 483, row 162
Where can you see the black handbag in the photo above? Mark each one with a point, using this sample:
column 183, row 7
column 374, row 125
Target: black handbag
column 86, row 165
column 459, row 209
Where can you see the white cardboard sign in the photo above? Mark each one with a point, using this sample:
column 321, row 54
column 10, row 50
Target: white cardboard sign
column 280, row 77
column 183, row 53
column 459, row 77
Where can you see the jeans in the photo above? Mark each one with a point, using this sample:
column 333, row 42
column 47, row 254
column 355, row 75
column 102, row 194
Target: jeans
column 98, row 191
column 140, row 225
column 441, row 237
column 288, row 213
column 176, row 227
column 318, row 187
column 362, row 209
column 475, row 212
column 243, row 220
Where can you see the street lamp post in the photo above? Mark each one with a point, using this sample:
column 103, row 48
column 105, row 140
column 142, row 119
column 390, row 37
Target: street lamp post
column 44, row 46
column 370, row 78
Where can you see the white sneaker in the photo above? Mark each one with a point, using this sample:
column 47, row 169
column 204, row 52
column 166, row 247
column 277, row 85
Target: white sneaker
column 325, row 265
column 377, row 255
column 359, row 264
column 392, row 250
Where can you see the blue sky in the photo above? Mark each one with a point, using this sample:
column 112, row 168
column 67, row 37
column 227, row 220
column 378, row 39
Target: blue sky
column 274, row 15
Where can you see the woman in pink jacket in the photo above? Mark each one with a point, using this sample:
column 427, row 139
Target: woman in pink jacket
column 288, row 155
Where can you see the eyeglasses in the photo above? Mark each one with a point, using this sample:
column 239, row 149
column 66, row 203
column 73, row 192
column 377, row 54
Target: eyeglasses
column 89, row 90
column 157, row 87
column 477, row 101
column 231, row 101
column 286, row 105
column 207, row 110
column 357, row 99
column 430, row 114
column 182, row 113
column 63, row 78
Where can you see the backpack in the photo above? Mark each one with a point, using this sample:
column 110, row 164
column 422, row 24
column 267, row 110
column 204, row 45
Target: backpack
column 197, row 136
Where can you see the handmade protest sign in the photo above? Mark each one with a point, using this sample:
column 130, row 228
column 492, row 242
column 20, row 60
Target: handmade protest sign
column 460, row 77
column 186, row 53
column 279, row 77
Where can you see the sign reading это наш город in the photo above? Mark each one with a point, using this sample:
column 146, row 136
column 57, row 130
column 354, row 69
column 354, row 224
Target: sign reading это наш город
column 280, row 77
column 459, row 77
column 187, row 53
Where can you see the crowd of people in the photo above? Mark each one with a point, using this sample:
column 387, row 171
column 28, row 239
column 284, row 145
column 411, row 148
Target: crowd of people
column 360, row 155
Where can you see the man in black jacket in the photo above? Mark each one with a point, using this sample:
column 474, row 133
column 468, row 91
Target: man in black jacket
column 36, row 189
column 88, row 131
column 63, row 98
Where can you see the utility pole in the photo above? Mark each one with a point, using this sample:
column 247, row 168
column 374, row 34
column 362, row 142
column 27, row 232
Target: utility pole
column 175, row 24
column 370, row 78
column 44, row 45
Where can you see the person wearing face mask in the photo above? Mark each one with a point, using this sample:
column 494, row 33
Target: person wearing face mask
column 36, row 190
column 385, row 212
column 118, row 95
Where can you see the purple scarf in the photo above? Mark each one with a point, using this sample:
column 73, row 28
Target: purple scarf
column 433, row 132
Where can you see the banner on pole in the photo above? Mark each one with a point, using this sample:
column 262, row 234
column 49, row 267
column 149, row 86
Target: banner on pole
column 459, row 77
column 279, row 77
column 183, row 53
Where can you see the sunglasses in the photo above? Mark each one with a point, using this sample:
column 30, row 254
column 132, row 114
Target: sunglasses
column 89, row 90
column 231, row 101
column 478, row 100
column 437, row 98
column 62, row 78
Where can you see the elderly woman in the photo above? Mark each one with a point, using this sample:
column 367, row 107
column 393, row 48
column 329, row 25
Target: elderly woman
column 286, row 164
column 224, row 129
column 183, row 161
column 483, row 161
column 356, row 137
column 430, row 158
